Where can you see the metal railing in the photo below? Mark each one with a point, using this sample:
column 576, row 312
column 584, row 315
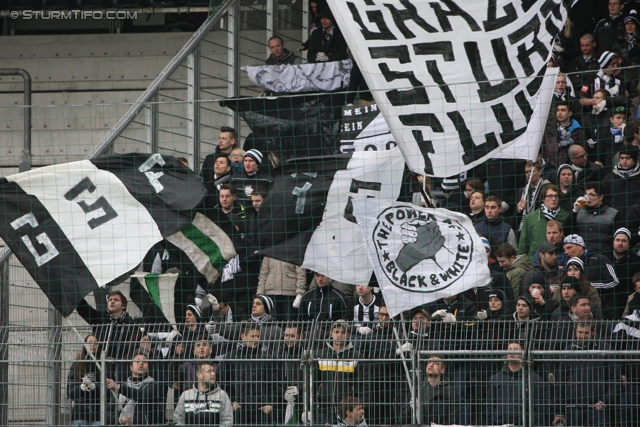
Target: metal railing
column 452, row 374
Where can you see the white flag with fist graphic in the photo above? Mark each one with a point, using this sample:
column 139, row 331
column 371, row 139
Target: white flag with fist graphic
column 420, row 254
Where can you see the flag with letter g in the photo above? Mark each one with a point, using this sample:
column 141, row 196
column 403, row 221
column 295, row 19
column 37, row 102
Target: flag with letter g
column 420, row 254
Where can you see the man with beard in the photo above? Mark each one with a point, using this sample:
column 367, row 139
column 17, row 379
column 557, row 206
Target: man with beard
column 205, row 403
column 626, row 264
column 547, row 266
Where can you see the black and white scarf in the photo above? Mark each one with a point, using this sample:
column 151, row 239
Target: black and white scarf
column 626, row 173
column 564, row 134
column 607, row 82
column 549, row 213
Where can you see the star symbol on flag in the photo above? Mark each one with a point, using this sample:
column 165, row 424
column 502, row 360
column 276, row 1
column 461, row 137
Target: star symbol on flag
column 385, row 255
column 460, row 236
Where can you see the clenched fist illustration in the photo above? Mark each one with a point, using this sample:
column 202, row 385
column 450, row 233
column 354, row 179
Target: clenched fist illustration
column 422, row 240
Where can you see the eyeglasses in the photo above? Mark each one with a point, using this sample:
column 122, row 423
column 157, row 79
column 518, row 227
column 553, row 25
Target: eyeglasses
column 592, row 195
column 551, row 196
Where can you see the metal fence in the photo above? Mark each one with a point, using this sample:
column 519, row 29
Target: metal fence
column 479, row 373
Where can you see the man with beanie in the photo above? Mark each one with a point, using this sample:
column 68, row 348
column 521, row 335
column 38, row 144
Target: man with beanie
column 599, row 270
column 594, row 220
column 626, row 263
column 253, row 175
column 516, row 329
column 623, row 183
column 536, row 287
column 261, row 313
column 607, row 78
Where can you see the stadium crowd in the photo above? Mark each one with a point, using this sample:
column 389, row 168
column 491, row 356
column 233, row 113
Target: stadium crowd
column 561, row 234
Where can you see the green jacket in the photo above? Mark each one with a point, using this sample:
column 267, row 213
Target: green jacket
column 519, row 268
column 534, row 231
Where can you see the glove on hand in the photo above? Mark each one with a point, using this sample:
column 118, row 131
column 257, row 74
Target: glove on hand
column 291, row 393
column 297, row 301
column 364, row 330
column 213, row 301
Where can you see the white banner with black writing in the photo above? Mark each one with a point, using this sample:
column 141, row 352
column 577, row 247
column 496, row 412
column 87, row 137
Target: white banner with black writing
column 458, row 82
column 420, row 254
column 364, row 128
column 302, row 78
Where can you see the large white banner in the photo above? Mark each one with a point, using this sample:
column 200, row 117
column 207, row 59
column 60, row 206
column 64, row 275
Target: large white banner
column 458, row 82
column 420, row 254
column 337, row 248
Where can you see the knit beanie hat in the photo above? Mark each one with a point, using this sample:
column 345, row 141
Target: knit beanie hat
column 571, row 282
column 633, row 17
column 527, row 300
column 606, row 58
column 624, row 231
column 577, row 262
column 195, row 310
column 266, row 302
column 255, row 155
column 497, row 293
column 631, row 151
column 574, row 239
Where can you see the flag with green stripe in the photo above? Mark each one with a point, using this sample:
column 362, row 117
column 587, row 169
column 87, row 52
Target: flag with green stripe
column 206, row 245
column 160, row 289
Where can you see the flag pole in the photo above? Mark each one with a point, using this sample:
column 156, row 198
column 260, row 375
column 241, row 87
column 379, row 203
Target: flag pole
column 404, row 361
column 93, row 357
